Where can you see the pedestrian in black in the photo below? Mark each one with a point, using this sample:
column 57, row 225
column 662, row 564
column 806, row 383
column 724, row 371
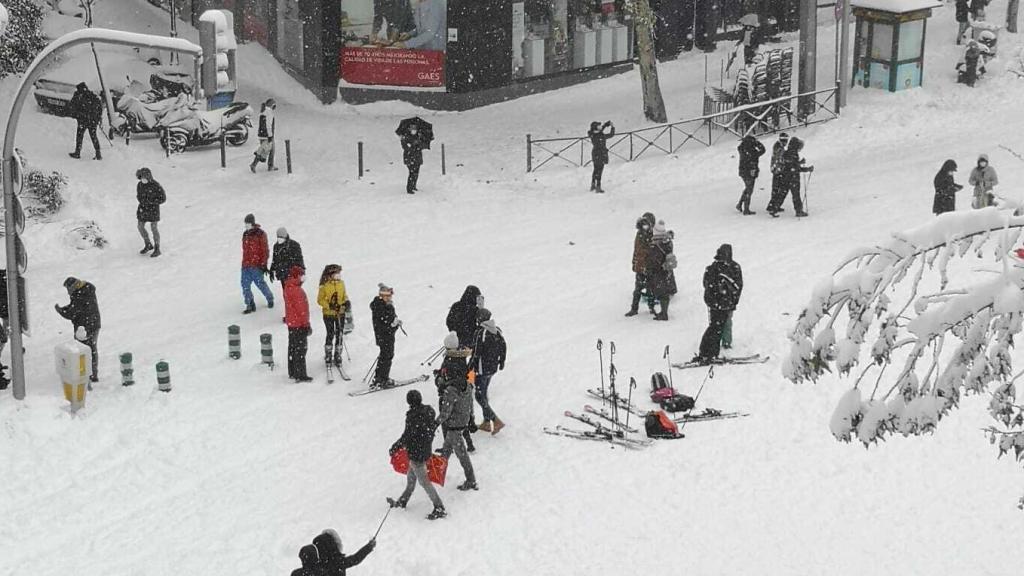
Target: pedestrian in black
column 150, row 195
column 412, row 156
column 793, row 165
column 962, row 20
column 84, row 313
column 332, row 561
column 87, row 109
column 385, row 324
column 286, row 254
column 723, row 285
column 599, row 151
column 456, row 406
column 310, row 560
column 750, row 157
column 778, row 189
column 641, row 246
column 266, row 126
column 661, row 263
column 488, row 358
column 418, row 441
column 462, row 315
column 945, row 188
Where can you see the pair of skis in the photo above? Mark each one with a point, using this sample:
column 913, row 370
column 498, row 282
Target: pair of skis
column 751, row 359
column 397, row 384
column 599, row 436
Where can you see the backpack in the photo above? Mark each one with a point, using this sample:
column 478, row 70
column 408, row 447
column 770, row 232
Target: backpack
column 660, row 388
column 670, row 261
column 724, row 289
column 677, row 403
column 659, row 425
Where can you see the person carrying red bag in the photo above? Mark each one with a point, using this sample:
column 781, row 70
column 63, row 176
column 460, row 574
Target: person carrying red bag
column 418, row 440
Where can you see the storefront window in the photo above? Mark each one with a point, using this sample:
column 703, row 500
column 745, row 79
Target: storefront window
column 393, row 42
column 289, row 32
column 552, row 36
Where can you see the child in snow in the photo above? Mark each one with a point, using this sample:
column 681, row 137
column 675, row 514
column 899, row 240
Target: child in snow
column 945, row 188
column 266, row 126
column 150, row 195
column 984, row 179
column 385, row 324
column 418, row 440
column 334, row 302
column 969, row 69
column 296, row 316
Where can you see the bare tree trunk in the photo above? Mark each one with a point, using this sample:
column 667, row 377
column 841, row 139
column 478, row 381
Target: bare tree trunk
column 654, row 104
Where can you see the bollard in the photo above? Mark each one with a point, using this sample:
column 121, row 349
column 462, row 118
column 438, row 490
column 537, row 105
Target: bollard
column 267, row 349
column 360, row 159
column 163, row 376
column 288, row 155
column 127, row 372
column 234, row 342
column 442, row 159
column 73, row 362
column 223, row 152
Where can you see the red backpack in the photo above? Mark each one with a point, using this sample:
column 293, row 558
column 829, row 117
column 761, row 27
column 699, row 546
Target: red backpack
column 659, row 425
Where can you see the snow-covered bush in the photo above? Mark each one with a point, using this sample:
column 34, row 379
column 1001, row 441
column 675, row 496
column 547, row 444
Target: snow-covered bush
column 84, row 235
column 23, row 38
column 46, row 191
column 945, row 325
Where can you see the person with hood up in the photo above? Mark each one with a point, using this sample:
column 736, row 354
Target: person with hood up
column 984, row 179
column 150, row 195
column 84, row 313
column 462, row 315
column 723, row 285
column 87, row 110
column 332, row 561
column 296, row 317
column 641, row 247
column 488, row 358
column 599, row 151
column 456, row 406
column 418, row 441
column 385, row 324
column 792, row 166
column 750, row 156
column 265, row 128
column 287, row 254
column 412, row 157
column 661, row 263
column 310, row 560
column 335, row 304
column 945, row 188
column 255, row 252
column 778, row 188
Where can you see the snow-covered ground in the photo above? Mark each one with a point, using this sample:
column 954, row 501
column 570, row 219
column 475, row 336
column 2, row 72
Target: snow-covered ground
column 237, row 468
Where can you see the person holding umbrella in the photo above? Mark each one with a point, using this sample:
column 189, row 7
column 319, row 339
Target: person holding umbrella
column 415, row 134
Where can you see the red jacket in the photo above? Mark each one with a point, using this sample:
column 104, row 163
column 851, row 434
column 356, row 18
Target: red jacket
column 296, row 306
column 255, row 250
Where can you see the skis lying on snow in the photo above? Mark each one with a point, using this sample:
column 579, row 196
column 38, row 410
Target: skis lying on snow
column 752, row 359
column 708, row 414
column 605, row 436
column 604, row 415
column 398, row 384
column 622, row 402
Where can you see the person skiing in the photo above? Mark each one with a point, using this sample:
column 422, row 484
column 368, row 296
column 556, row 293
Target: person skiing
column 661, row 262
column 418, row 441
column 961, row 19
column 983, row 178
column 778, row 190
column 641, row 246
column 254, row 264
column 385, row 324
column 792, row 166
column 488, row 358
column 456, row 406
column 87, row 110
column 84, row 312
column 332, row 561
column 310, row 560
column 750, row 156
column 723, row 285
column 334, row 302
column 150, row 195
column 296, row 317
column 599, row 151
column 462, row 315
column 287, row 255
column 412, row 156
column 265, row 128
column 945, row 188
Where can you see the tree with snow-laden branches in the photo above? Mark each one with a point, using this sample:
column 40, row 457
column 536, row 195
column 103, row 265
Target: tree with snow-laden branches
column 917, row 322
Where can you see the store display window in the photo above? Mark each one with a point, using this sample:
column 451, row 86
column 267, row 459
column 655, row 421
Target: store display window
column 393, row 42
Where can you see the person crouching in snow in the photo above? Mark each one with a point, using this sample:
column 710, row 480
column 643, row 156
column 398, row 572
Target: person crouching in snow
column 266, row 126
column 150, row 195
column 334, row 302
column 296, row 316
column 488, row 358
column 332, row 561
column 945, row 188
column 661, row 263
column 456, row 406
column 984, row 179
column 418, row 441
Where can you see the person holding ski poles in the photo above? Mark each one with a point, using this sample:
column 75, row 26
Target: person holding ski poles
column 778, row 188
column 456, row 406
column 334, row 303
column 792, row 167
column 418, row 440
column 599, row 151
column 488, row 358
column 641, row 248
column 385, row 324
column 265, row 128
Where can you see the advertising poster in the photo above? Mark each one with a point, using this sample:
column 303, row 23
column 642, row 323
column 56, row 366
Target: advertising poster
column 394, row 42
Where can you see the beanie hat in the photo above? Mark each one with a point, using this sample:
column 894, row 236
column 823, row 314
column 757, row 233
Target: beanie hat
column 483, row 314
column 659, row 229
column 414, row 398
column 250, row 219
column 383, row 288
column 69, row 282
column 451, row 341
column 282, row 232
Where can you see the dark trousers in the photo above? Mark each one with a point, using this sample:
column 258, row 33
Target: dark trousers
column 711, row 343
column 334, row 333
column 748, row 191
column 638, row 289
column 414, row 175
column 298, row 343
column 778, row 193
column 80, row 132
column 595, row 178
column 482, row 382
column 384, row 358
column 92, row 340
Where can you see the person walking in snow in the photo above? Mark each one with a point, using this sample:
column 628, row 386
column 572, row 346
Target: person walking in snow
column 945, row 188
column 385, row 324
column 335, row 304
column 462, row 315
column 412, row 157
column 87, row 110
column 265, row 128
column 255, row 252
column 599, row 151
column 750, row 156
column 978, row 9
column 984, row 179
column 150, row 195
column 418, row 441
column 641, row 246
column 793, row 165
column 296, row 317
column 488, row 359
column 723, row 285
column 329, row 550
column 661, row 263
column 456, row 406
column 778, row 190
column 84, row 312
column 963, row 23
column 287, row 255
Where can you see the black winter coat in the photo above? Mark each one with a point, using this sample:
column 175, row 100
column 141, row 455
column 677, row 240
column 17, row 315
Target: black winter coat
column 977, row 6
column 150, row 196
column 945, row 190
column 286, row 255
column 723, row 285
column 412, row 150
column 750, row 156
column 418, row 437
column 778, row 149
column 86, row 107
column 462, row 316
column 792, row 166
column 332, row 561
column 383, row 315
column 488, row 352
column 961, row 10
column 599, row 144
column 83, row 310
column 661, row 281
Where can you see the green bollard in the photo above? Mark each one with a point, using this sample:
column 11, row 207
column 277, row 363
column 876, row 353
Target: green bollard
column 267, row 349
column 163, row 376
column 234, row 342
column 127, row 372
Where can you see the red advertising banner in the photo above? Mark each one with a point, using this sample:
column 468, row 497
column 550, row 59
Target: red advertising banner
column 392, row 66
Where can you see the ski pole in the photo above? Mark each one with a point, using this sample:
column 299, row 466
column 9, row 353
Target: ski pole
column 600, row 356
column 668, row 356
column 710, row 374
column 381, row 525
column 807, row 191
column 403, row 330
column 629, row 400
column 344, row 347
column 430, row 359
column 370, row 371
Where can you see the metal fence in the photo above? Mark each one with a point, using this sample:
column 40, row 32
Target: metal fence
column 784, row 113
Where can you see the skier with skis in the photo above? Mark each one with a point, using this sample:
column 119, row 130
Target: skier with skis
column 462, row 315
column 412, row 157
column 778, row 190
column 385, row 324
column 945, row 188
column 287, row 255
column 599, row 151
column 84, row 312
column 296, row 316
column 750, row 155
column 329, row 550
column 456, row 406
column 723, row 285
column 641, row 246
column 255, row 251
column 418, row 441
column 984, row 179
column 87, row 110
column 661, row 263
column 792, row 167
column 265, row 128
column 150, row 195
column 488, row 358
column 335, row 304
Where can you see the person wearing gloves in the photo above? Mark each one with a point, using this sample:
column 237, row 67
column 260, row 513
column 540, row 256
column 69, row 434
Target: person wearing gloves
column 84, row 313
column 265, row 128
column 150, row 195
column 296, row 316
column 385, row 324
column 287, row 254
column 599, row 151
column 489, row 350
column 945, row 188
column 255, row 252
column 456, row 406
column 334, row 302
column 332, row 561
column 793, row 165
column 984, row 179
column 641, row 248
column 418, row 440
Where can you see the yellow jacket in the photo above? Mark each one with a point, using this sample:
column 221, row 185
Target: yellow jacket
column 332, row 297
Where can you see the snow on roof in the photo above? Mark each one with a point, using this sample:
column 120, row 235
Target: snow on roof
column 896, row 6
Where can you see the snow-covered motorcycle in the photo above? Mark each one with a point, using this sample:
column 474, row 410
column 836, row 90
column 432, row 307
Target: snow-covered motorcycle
column 201, row 128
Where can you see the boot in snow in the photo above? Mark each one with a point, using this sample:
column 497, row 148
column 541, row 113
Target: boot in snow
column 146, row 248
column 156, row 251
column 437, row 513
column 399, row 503
column 498, row 425
column 249, row 309
column 632, row 312
column 337, row 355
column 801, row 214
column 467, row 485
column 485, row 426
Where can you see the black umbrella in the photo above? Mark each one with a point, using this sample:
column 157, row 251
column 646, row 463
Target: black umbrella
column 425, row 130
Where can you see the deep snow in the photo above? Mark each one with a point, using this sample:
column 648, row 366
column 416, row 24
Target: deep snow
column 237, row 468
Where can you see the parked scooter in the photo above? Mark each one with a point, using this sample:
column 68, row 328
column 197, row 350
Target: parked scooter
column 201, row 128
column 139, row 115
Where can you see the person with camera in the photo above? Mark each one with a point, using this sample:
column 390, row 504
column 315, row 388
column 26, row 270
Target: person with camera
column 599, row 151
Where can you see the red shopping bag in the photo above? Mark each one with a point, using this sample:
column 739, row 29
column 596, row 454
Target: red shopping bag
column 400, row 461
column 437, row 466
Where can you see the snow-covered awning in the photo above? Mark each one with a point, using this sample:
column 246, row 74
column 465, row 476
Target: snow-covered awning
column 896, row 6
